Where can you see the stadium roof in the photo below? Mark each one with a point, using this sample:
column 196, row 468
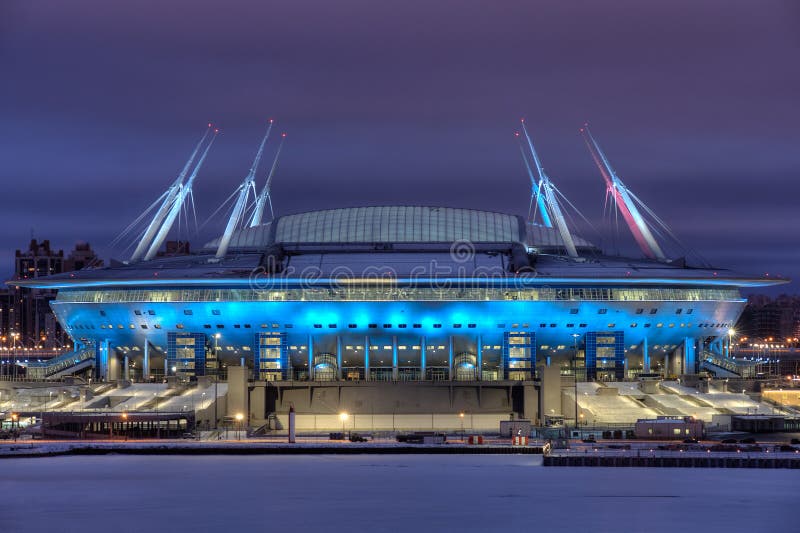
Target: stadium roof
column 396, row 225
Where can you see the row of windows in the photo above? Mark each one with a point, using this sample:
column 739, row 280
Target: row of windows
column 611, row 325
column 395, row 293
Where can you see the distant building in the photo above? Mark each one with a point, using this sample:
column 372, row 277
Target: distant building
column 82, row 257
column 669, row 428
column 175, row 248
column 27, row 311
column 770, row 320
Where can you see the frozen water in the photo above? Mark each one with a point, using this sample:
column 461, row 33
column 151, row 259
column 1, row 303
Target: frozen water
column 417, row 493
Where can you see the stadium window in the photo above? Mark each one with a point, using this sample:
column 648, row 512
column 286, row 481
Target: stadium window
column 581, row 325
column 660, row 325
column 602, row 311
column 553, row 325
column 573, row 311
column 473, row 325
column 417, row 326
column 387, row 325
column 372, row 326
column 679, row 311
column 207, row 326
column 352, row 326
column 653, row 311
column 570, row 325
column 137, row 313
column 456, row 326
column 542, row 325
column 501, row 326
column 178, row 326
column 132, row 326
column 672, row 325
column 634, row 324
column 402, row 325
column 264, row 326
column 612, row 325
column 144, row 326
column 331, row 326
column 437, row 326
column 639, row 311
column 220, row 326
column 647, row 325
column 102, row 313
column 151, row 312
column 157, row 326
column 275, row 326
column 216, row 312
column 187, row 311
column 237, row 326
column 689, row 311
column 288, row 326
column 316, row 326
column 247, row 326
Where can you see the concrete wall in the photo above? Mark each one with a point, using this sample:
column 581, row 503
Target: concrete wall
column 238, row 395
column 395, row 422
column 377, row 406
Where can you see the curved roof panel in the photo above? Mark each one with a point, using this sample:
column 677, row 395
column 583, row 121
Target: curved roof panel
column 396, row 224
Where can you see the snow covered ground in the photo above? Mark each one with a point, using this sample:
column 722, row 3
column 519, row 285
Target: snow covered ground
column 383, row 493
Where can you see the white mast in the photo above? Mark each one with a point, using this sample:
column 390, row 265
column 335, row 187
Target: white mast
column 162, row 212
column 185, row 191
column 244, row 191
column 636, row 223
column 536, row 186
column 265, row 196
column 548, row 190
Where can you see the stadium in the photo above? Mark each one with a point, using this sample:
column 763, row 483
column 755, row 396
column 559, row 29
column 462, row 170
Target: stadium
column 402, row 317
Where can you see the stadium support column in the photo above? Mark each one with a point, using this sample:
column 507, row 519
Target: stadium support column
column 645, row 357
column 126, row 372
column 146, row 362
column 310, row 358
column 423, row 357
column 338, row 357
column 395, row 371
column 366, row 358
column 689, row 356
column 478, row 359
column 450, row 358
column 101, row 360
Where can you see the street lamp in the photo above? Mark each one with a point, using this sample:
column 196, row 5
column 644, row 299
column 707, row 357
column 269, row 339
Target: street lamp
column 575, row 371
column 343, row 417
column 239, row 418
column 216, row 376
column 461, row 416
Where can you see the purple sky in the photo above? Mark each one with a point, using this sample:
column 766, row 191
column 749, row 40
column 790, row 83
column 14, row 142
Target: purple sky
column 696, row 105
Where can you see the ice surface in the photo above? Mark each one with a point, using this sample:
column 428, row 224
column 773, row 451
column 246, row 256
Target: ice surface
column 460, row 493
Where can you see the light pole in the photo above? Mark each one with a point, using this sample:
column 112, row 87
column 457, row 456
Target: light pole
column 216, row 377
column 461, row 416
column 343, row 417
column 575, row 371
column 15, row 336
column 239, row 418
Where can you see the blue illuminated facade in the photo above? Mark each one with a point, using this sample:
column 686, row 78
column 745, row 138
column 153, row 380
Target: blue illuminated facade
column 393, row 294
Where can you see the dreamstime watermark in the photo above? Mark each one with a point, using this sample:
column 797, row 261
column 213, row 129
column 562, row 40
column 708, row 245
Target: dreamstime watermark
column 462, row 266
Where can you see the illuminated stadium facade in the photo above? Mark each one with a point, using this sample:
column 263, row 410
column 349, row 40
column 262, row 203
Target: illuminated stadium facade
column 400, row 293
column 370, row 295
